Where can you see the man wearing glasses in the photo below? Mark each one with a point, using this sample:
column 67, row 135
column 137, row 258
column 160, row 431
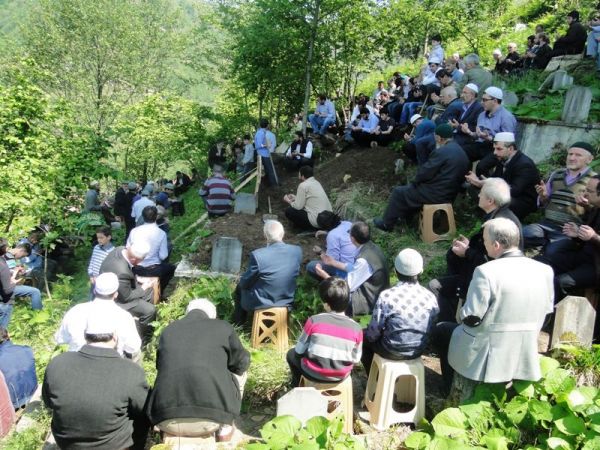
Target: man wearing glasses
column 493, row 119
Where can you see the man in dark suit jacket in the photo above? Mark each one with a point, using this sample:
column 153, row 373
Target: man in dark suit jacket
column 97, row 398
column 573, row 42
column 467, row 254
column 270, row 279
column 471, row 108
column 132, row 296
column 518, row 170
column 436, row 181
column 201, row 366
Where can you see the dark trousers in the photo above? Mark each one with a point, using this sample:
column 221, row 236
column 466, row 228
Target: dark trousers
column 362, row 138
column 164, row 271
column 384, row 139
column 293, row 165
column 368, row 353
column 145, row 311
column 477, row 150
column 270, row 171
column 440, row 338
column 299, row 218
column 398, row 206
column 240, row 315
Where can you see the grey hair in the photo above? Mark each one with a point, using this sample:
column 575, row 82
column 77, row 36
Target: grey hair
column 139, row 248
column 497, row 190
column 273, row 231
column 472, row 58
column 202, row 304
column 450, row 91
column 504, row 231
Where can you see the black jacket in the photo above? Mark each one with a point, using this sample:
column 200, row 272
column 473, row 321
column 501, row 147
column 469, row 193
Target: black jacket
column 95, row 395
column 195, row 361
column 573, row 42
column 522, row 175
column 129, row 289
column 122, row 203
column 469, row 117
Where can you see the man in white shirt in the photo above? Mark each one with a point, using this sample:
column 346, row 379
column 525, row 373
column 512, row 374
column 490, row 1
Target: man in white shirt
column 139, row 205
column 72, row 327
column 155, row 263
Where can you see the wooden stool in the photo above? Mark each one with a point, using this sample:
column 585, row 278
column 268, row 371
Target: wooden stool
column 155, row 283
column 339, row 396
column 270, row 324
column 428, row 235
column 393, row 382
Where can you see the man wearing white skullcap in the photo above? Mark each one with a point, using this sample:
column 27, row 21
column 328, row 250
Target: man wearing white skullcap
column 403, row 315
column 470, row 112
column 72, row 327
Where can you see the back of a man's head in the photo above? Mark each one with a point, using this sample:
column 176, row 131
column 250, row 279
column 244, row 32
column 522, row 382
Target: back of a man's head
column 503, row 231
column 497, row 190
column 273, row 231
column 328, row 220
column 306, row 172
column 472, row 59
column 360, row 232
column 149, row 214
column 217, row 169
column 335, row 292
column 264, row 123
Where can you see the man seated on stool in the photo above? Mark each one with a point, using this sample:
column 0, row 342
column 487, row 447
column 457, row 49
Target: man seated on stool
column 331, row 342
column 309, row 201
column 217, row 193
column 270, row 280
column 201, row 370
column 403, row 315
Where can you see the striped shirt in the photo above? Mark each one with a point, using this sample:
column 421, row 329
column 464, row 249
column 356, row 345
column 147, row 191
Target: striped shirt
column 218, row 193
column 98, row 255
column 331, row 344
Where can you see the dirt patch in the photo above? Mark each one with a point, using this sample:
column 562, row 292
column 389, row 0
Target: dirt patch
column 370, row 166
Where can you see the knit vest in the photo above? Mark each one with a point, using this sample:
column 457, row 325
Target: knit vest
column 302, row 149
column 364, row 298
column 562, row 207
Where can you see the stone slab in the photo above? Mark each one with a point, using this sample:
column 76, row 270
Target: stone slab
column 185, row 269
column 245, row 203
column 226, row 255
column 510, row 99
column 303, row 403
column 574, row 320
column 562, row 62
column 578, row 102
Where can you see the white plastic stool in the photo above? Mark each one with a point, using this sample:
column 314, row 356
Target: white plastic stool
column 339, row 397
column 393, row 382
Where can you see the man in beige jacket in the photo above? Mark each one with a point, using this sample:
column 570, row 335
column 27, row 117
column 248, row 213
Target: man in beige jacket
column 309, row 201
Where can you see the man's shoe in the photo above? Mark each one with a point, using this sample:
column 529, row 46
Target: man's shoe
column 379, row 223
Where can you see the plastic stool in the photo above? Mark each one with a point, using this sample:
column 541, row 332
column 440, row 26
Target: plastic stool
column 428, row 235
column 270, row 324
column 341, row 394
column 395, row 381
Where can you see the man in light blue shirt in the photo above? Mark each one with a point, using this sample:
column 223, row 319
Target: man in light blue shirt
column 323, row 117
column 364, row 132
column 264, row 143
column 155, row 264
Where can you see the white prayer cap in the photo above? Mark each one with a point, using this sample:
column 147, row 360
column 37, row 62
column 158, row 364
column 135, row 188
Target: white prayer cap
column 495, row 92
column 473, row 87
column 414, row 118
column 101, row 320
column 409, row 262
column 106, row 284
column 435, row 60
column 203, row 304
column 505, row 136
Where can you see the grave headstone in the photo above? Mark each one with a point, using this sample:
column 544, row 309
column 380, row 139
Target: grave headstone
column 226, row 255
column 303, row 403
column 244, row 203
column 577, row 104
column 573, row 321
column 510, row 99
column 561, row 80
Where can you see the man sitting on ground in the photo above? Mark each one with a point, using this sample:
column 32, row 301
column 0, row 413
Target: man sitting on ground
column 323, row 117
column 418, row 145
column 436, row 181
column 475, row 74
column 451, row 104
column 385, row 129
column 18, row 367
column 471, row 108
column 507, row 302
column 162, row 198
column 134, row 297
column 139, row 205
column 573, row 42
column 201, row 370
column 309, row 201
column 72, row 327
column 20, row 252
column 403, row 315
column 367, row 276
column 217, row 193
column 299, row 154
column 558, row 196
column 519, row 171
column 465, row 255
column 96, row 397
column 364, row 132
column 270, row 280
column 331, row 342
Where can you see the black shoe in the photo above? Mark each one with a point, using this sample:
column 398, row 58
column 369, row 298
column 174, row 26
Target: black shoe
column 379, row 223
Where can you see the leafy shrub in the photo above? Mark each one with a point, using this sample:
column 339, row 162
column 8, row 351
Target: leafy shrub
column 268, row 376
column 583, row 362
column 286, row 432
column 552, row 413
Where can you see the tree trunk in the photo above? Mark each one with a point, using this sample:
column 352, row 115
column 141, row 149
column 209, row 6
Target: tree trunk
column 278, row 113
column 309, row 59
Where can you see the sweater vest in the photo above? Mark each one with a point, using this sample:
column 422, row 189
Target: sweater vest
column 364, row 298
column 562, row 207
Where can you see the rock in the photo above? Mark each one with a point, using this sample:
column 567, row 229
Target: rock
column 574, row 321
column 577, row 104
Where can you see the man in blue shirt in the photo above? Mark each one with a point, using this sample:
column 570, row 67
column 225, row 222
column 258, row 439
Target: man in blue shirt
column 18, row 367
column 364, row 132
column 323, row 117
column 264, row 143
column 419, row 145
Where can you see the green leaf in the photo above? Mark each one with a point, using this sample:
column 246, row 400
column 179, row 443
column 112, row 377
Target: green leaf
column 592, row 444
column 317, row 427
column 417, row 440
column 556, row 443
column 559, row 381
column 40, row 316
column 491, row 392
column 547, row 365
column 496, row 443
column 540, row 411
column 450, row 422
column 580, row 398
column 524, row 388
column 279, row 432
column 571, row 425
column 516, row 409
